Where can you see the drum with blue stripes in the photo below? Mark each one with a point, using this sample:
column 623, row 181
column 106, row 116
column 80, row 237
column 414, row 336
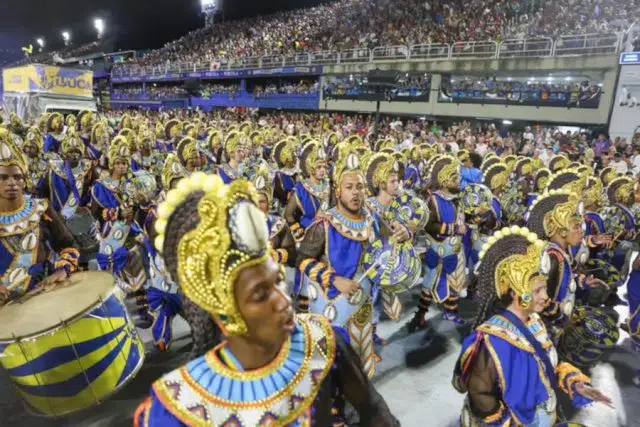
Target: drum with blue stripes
column 70, row 348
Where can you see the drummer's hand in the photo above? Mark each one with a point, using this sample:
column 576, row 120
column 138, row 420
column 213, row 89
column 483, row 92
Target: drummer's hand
column 57, row 277
column 593, row 394
column 345, row 286
column 592, row 282
column 604, row 240
column 400, row 232
column 4, row 295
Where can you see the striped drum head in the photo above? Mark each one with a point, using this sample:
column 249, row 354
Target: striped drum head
column 71, row 348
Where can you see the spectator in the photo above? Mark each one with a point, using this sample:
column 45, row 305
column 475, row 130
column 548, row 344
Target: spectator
column 619, row 163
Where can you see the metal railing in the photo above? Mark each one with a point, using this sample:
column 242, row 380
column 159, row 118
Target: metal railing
column 568, row 45
column 587, row 44
column 527, row 48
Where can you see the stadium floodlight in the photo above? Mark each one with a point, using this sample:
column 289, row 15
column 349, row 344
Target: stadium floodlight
column 98, row 24
column 40, row 42
column 66, row 36
column 507, row 122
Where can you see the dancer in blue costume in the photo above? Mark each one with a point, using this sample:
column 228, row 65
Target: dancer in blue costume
column 172, row 132
column 508, row 366
column 284, row 182
column 69, row 181
column 38, row 165
column 618, row 217
column 235, row 150
column 120, row 235
column 211, row 149
column 86, row 123
column 146, row 158
column 470, row 172
column 444, row 260
column 311, row 193
column 274, row 368
column 539, row 183
column 55, row 127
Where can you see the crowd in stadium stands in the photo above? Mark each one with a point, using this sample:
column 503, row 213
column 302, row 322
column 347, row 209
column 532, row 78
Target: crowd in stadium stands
column 218, row 89
column 135, row 91
column 301, row 87
column 356, row 84
column 348, row 24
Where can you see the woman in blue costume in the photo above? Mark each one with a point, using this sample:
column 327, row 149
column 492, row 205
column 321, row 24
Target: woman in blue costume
column 444, row 260
column 235, row 150
column 508, row 366
column 557, row 215
column 274, row 368
column 310, row 194
column 145, row 158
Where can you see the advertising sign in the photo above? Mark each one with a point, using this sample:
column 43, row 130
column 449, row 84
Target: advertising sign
column 48, row 79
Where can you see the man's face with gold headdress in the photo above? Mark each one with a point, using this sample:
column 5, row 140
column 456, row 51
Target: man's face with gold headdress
column 12, row 182
column 351, row 192
column 320, row 170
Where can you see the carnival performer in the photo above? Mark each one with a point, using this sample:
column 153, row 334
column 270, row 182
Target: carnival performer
column 211, row 149
column 38, row 165
column 188, row 154
column 172, row 133
column 87, row 121
column 216, row 244
column 145, row 158
column 286, row 174
column 508, row 366
column 311, row 194
column 119, row 234
column 618, row 217
column 30, row 230
column 444, row 260
column 235, row 150
column 55, row 128
column 470, row 172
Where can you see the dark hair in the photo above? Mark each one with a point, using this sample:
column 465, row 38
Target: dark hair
column 476, row 159
column 540, row 208
column 490, row 302
column 184, row 219
column 489, row 162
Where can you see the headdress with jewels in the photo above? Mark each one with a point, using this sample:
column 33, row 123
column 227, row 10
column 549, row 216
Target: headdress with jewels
column 513, row 259
column 490, row 161
column 130, row 136
column 191, row 130
column 86, row 119
column 523, row 167
column 100, row 134
column 620, row 190
column 312, row 155
column 231, row 236
column 553, row 211
column 347, row 162
column 232, row 142
column 569, row 179
column 496, row 177
column 262, row 182
column 607, row 175
column 172, row 170
column 70, row 121
column 72, row 142
column 10, row 154
column 119, row 150
column 172, row 129
column 463, row 155
column 245, row 128
column 378, row 169
column 55, row 123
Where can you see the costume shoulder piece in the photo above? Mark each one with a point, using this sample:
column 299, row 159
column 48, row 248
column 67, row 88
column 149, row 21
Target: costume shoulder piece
column 24, row 219
column 205, row 392
column 499, row 326
column 360, row 230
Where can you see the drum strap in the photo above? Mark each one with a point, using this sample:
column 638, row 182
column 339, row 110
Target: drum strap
column 537, row 346
column 72, row 181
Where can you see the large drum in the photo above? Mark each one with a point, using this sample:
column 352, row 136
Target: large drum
column 70, row 348
column 393, row 266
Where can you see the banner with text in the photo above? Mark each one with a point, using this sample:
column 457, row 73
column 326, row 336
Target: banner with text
column 48, row 79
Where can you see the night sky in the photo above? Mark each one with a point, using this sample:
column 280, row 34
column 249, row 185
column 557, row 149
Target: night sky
column 133, row 24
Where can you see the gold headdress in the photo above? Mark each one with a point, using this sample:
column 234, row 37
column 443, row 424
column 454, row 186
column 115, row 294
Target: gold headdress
column 312, row 154
column 55, row 123
column 187, row 150
column 570, row 180
column 34, row 137
column 592, row 193
column 131, row 138
column 86, row 119
column 496, row 177
column 490, row 161
column 172, row 170
column 510, row 161
column 524, row 167
column 159, row 129
column 378, row 169
column 70, row 121
column 558, row 162
column 284, row 153
column 555, row 210
column 463, row 155
column 620, row 190
column 347, row 162
column 262, row 182
column 541, row 179
column 172, row 129
column 518, row 271
column 191, row 130
column 444, row 171
column 608, row 174
column 231, row 236
column 245, row 128
column 119, row 150
column 72, row 142
column 256, row 138
column 232, row 142
column 99, row 135
column 214, row 139
column 16, row 122
column 10, row 154
column 43, row 123
column 125, row 122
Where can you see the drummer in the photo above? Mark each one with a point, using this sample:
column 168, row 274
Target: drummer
column 29, row 229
